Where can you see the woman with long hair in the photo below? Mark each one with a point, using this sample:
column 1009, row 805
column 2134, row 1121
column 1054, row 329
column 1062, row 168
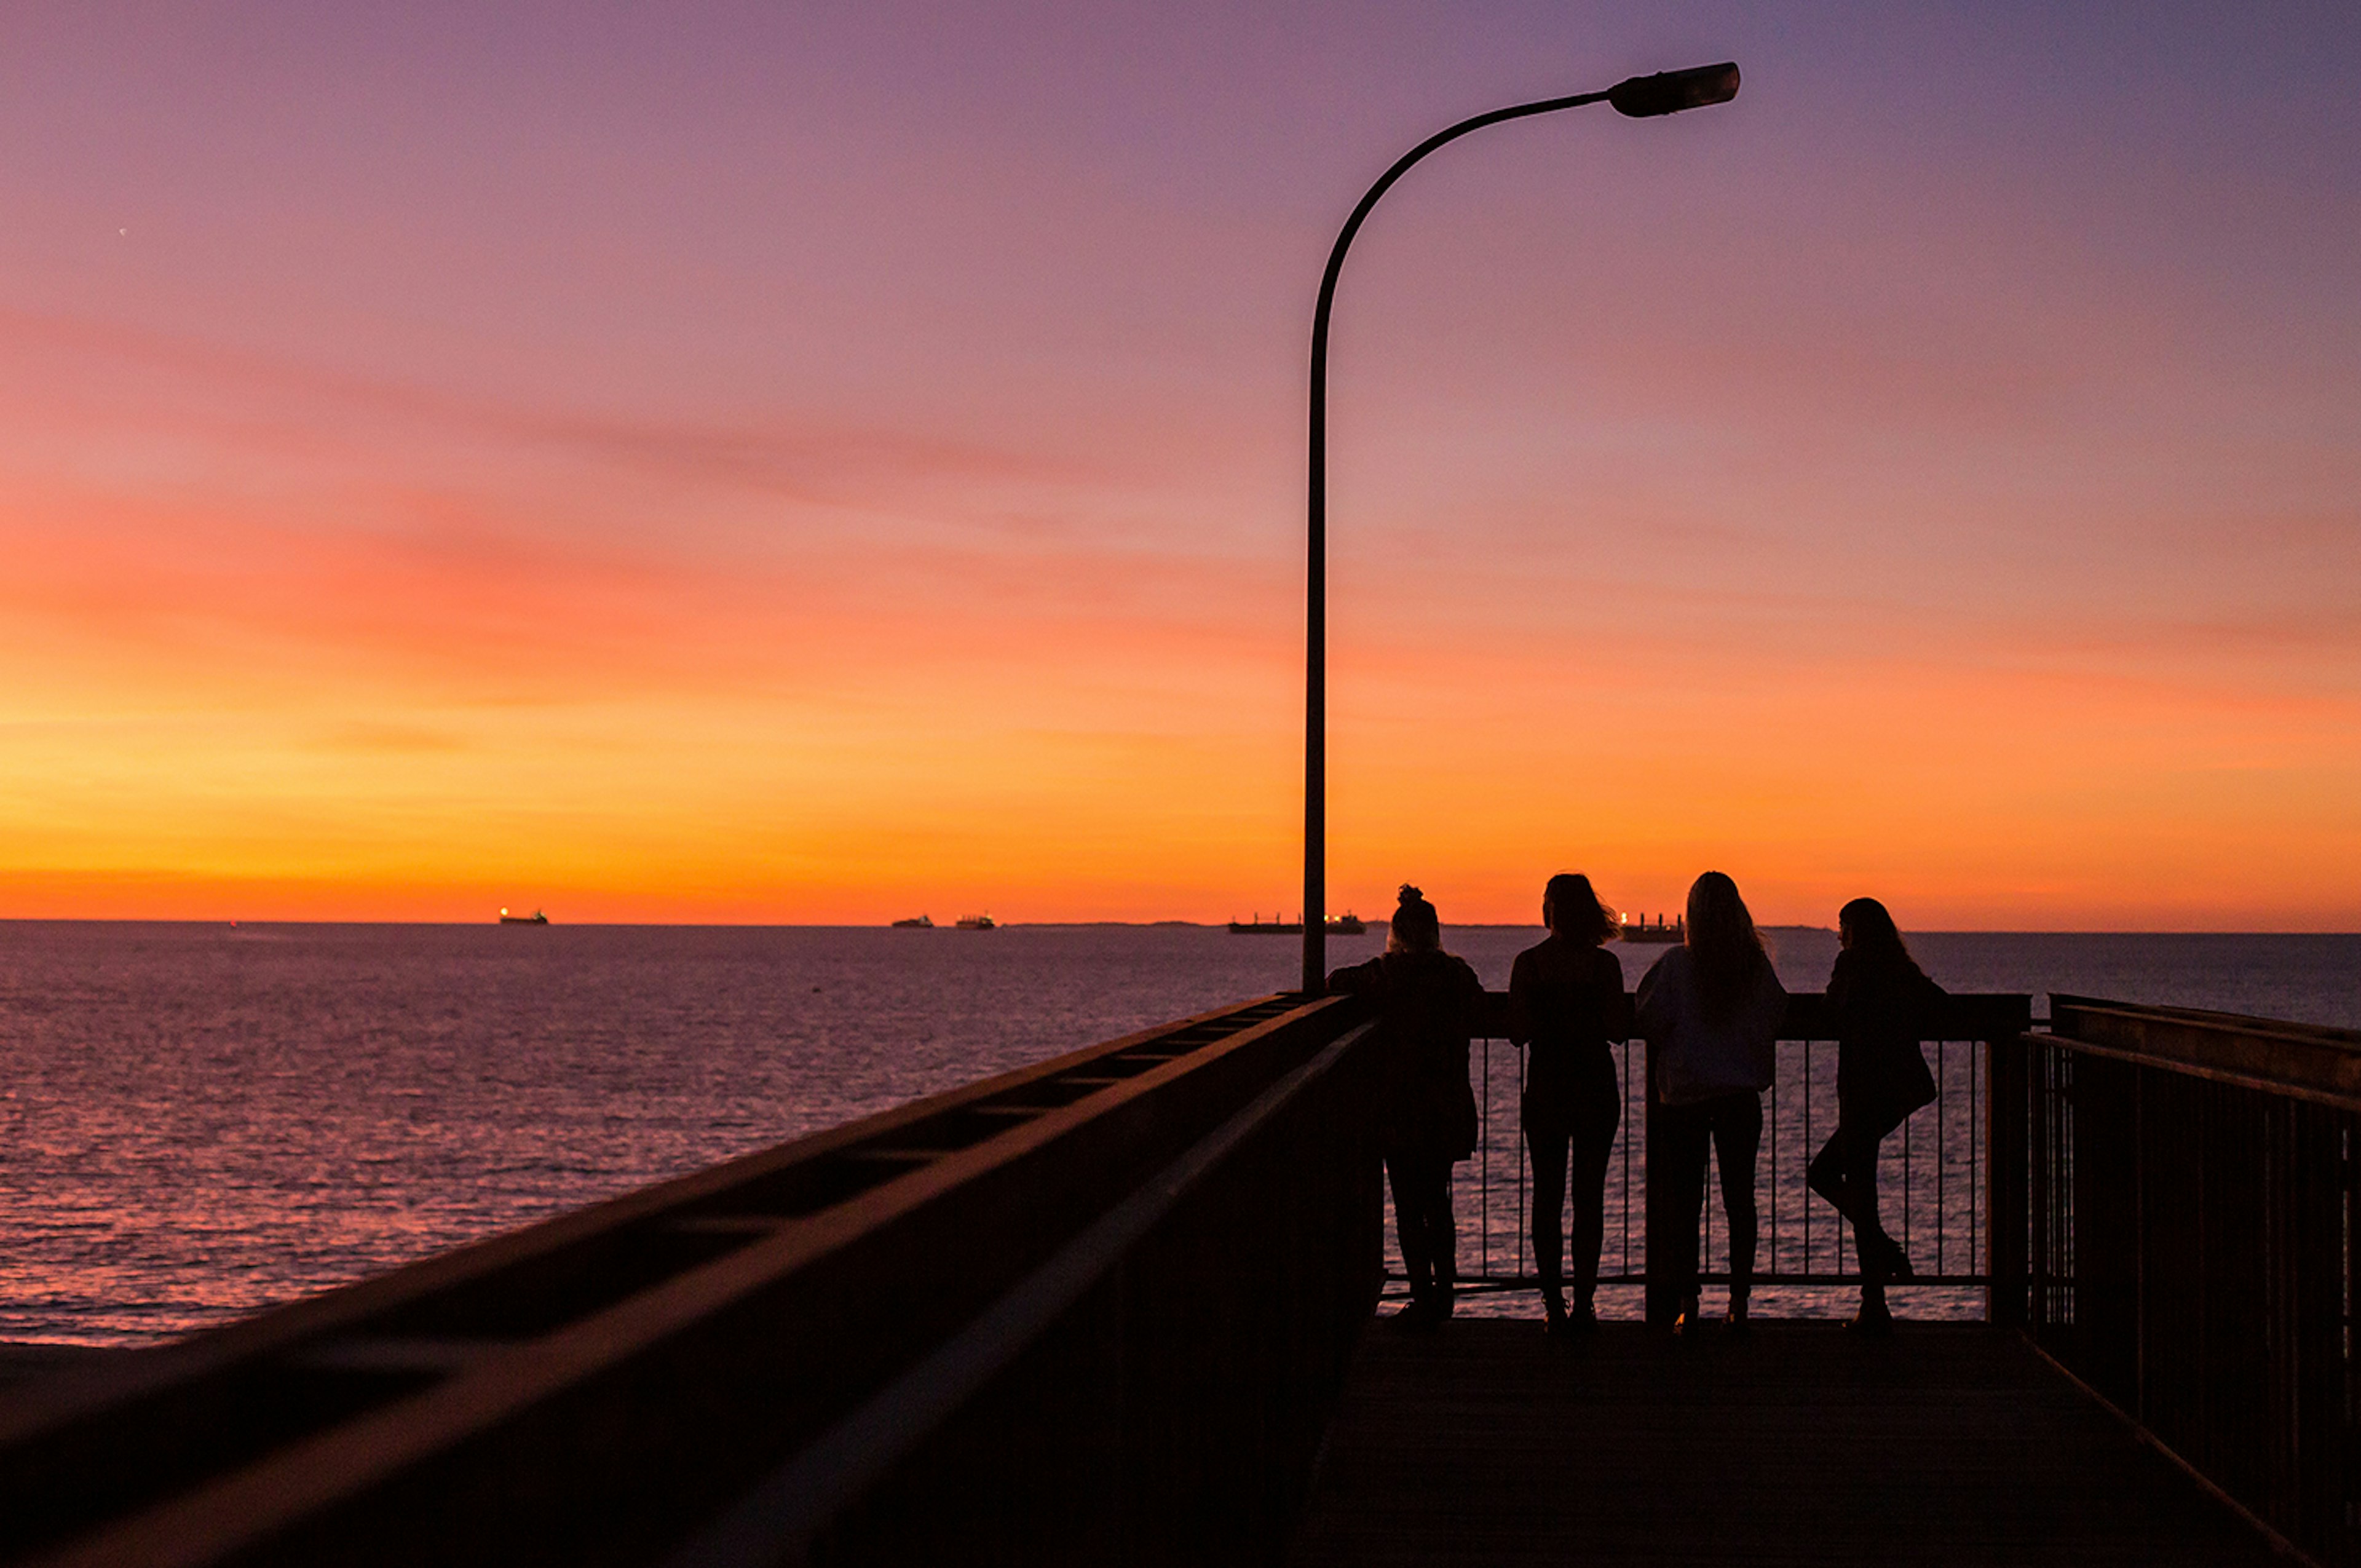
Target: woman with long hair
column 1711, row 1010
column 1429, row 1005
column 1881, row 1002
column 1566, row 1004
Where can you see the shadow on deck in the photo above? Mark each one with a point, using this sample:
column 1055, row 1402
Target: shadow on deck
column 1486, row 1443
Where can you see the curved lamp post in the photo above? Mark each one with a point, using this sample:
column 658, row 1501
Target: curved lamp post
column 1665, row 94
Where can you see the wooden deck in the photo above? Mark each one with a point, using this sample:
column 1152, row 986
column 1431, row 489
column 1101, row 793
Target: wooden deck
column 1486, row 1443
column 20, row 1360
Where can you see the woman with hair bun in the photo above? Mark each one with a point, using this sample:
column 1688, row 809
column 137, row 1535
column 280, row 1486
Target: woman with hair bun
column 1429, row 1003
column 1711, row 1010
column 1565, row 1003
column 1881, row 1002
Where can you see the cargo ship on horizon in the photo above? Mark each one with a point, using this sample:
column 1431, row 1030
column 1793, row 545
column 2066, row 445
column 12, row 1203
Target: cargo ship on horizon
column 1346, row 924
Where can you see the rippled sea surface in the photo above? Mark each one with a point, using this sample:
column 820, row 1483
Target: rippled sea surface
column 197, row 1121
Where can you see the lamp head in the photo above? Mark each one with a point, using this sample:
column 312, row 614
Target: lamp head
column 1670, row 92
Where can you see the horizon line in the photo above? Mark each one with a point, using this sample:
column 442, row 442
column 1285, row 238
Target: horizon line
column 1375, row 925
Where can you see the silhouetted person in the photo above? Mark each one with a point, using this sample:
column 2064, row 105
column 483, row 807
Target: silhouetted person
column 1711, row 1009
column 1567, row 1002
column 1428, row 1004
column 1881, row 1002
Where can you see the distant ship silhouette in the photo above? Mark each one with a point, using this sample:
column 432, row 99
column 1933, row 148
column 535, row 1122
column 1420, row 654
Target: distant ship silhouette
column 976, row 923
column 535, row 918
column 1346, row 924
column 1663, row 930
column 916, row 922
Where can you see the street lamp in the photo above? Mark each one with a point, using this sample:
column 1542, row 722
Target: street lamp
column 1666, row 93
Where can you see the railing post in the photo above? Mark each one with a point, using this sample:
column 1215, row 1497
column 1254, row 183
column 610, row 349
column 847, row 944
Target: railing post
column 2103, row 1196
column 2337, row 1393
column 2317, row 1272
column 2007, row 1207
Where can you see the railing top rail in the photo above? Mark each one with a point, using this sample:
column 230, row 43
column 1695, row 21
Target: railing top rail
column 357, row 1306
column 1967, row 1016
column 2305, row 1061
column 320, row 1408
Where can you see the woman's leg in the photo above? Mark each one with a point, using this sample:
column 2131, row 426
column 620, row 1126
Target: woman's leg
column 1434, row 1182
column 1872, row 1247
column 1410, row 1225
column 1736, row 1135
column 1881, row 1255
column 1430, row 1241
column 1845, row 1173
column 1825, row 1173
column 1676, row 1197
column 1596, row 1118
column 1546, row 1136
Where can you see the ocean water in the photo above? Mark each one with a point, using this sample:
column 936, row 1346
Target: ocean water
column 197, row 1121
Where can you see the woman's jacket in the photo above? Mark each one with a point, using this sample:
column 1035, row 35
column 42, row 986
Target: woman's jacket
column 1702, row 1056
column 1568, row 1012
column 1428, row 1004
column 1881, row 1014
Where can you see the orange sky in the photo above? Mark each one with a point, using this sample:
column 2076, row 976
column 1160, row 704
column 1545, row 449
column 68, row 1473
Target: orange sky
column 794, row 469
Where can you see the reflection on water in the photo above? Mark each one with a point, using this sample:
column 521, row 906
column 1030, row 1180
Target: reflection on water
column 198, row 1121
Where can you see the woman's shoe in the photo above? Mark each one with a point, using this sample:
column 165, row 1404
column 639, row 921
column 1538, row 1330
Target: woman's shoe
column 1552, row 1313
column 1574, row 1323
column 1686, row 1325
column 1735, row 1319
column 1872, row 1322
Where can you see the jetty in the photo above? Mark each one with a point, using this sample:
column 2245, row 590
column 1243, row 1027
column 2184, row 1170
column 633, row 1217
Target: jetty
column 1125, row 1306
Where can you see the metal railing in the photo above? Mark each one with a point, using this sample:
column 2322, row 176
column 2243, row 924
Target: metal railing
column 1095, row 1310
column 2175, row 1199
column 1932, row 1176
column 1099, row 1309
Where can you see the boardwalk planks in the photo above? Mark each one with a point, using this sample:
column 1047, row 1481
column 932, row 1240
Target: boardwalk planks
column 1487, row 1445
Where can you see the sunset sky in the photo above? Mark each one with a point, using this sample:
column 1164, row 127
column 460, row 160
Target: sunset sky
column 819, row 462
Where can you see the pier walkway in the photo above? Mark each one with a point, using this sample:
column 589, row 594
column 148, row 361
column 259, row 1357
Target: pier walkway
column 1485, row 1444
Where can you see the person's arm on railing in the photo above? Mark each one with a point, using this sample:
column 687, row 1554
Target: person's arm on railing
column 1356, row 978
column 1622, row 1017
column 1657, row 1005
